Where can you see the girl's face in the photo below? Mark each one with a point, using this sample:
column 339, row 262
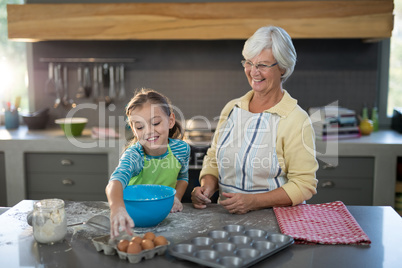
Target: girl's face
column 151, row 126
column 264, row 81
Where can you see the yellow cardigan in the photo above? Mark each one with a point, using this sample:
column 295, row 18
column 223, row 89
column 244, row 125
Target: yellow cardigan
column 295, row 146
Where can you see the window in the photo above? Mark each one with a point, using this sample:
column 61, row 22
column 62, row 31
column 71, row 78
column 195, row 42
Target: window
column 13, row 64
column 395, row 66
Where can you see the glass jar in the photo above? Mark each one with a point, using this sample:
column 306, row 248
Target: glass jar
column 49, row 221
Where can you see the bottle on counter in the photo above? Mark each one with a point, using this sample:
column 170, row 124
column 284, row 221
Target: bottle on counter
column 365, row 112
column 365, row 125
column 49, row 221
column 374, row 118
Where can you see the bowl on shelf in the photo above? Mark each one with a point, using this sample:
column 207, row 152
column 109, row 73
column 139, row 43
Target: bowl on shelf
column 148, row 204
column 36, row 120
column 72, row 126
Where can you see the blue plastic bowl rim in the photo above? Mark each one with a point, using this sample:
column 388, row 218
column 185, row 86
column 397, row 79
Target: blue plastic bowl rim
column 134, row 199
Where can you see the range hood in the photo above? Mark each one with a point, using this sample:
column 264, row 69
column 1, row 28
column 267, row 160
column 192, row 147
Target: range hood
column 199, row 21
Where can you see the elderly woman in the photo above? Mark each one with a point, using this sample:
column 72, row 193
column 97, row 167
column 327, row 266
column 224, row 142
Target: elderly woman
column 263, row 151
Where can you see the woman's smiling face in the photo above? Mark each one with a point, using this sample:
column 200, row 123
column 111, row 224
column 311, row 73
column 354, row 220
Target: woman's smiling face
column 151, row 126
column 267, row 80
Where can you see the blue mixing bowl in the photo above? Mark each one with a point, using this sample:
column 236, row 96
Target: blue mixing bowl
column 148, row 204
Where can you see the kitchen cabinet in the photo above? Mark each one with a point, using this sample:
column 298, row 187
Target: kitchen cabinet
column 3, row 189
column 69, row 176
column 350, row 181
column 371, row 19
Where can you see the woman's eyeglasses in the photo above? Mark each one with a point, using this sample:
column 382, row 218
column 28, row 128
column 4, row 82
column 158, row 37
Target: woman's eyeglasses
column 260, row 66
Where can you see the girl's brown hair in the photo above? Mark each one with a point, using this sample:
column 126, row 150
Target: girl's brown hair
column 154, row 97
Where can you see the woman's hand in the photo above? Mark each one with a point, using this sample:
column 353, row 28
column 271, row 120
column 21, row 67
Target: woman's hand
column 119, row 219
column 200, row 197
column 237, row 203
column 177, row 205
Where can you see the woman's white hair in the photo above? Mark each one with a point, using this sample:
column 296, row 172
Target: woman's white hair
column 279, row 41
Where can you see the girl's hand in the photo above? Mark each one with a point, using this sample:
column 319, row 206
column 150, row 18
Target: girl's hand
column 177, row 205
column 237, row 203
column 200, row 197
column 119, row 219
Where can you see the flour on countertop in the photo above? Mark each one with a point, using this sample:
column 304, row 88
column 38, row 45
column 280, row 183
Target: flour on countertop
column 178, row 226
column 19, row 220
column 83, row 211
column 78, row 212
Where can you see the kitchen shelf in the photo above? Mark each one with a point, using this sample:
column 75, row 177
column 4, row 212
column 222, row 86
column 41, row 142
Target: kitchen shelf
column 371, row 19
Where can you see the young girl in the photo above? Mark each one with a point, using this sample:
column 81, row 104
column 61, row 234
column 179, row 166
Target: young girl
column 155, row 156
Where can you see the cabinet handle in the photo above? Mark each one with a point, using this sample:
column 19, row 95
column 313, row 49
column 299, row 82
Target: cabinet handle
column 328, row 184
column 66, row 162
column 328, row 166
column 67, row 182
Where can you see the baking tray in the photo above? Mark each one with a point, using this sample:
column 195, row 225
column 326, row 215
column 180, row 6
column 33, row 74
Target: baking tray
column 231, row 246
column 109, row 247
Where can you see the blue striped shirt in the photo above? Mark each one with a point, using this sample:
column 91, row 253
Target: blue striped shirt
column 132, row 161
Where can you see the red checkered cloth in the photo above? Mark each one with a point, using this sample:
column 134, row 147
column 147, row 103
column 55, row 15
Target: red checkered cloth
column 329, row 223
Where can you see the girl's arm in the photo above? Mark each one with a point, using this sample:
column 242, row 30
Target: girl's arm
column 181, row 187
column 118, row 214
column 114, row 193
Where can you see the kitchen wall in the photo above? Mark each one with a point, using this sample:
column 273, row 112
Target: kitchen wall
column 201, row 76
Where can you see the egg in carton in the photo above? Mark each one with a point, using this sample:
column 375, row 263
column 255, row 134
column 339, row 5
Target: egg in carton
column 109, row 247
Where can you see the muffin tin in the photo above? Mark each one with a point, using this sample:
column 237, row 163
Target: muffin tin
column 109, row 247
column 231, row 246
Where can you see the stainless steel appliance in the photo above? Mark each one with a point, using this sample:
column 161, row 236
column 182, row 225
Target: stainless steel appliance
column 198, row 134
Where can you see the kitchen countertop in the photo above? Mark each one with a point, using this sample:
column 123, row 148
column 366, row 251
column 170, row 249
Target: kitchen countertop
column 385, row 146
column 19, row 249
column 53, row 135
column 381, row 137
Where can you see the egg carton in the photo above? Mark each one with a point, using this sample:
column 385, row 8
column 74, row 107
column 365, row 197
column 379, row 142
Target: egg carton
column 231, row 246
column 102, row 244
column 109, row 247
